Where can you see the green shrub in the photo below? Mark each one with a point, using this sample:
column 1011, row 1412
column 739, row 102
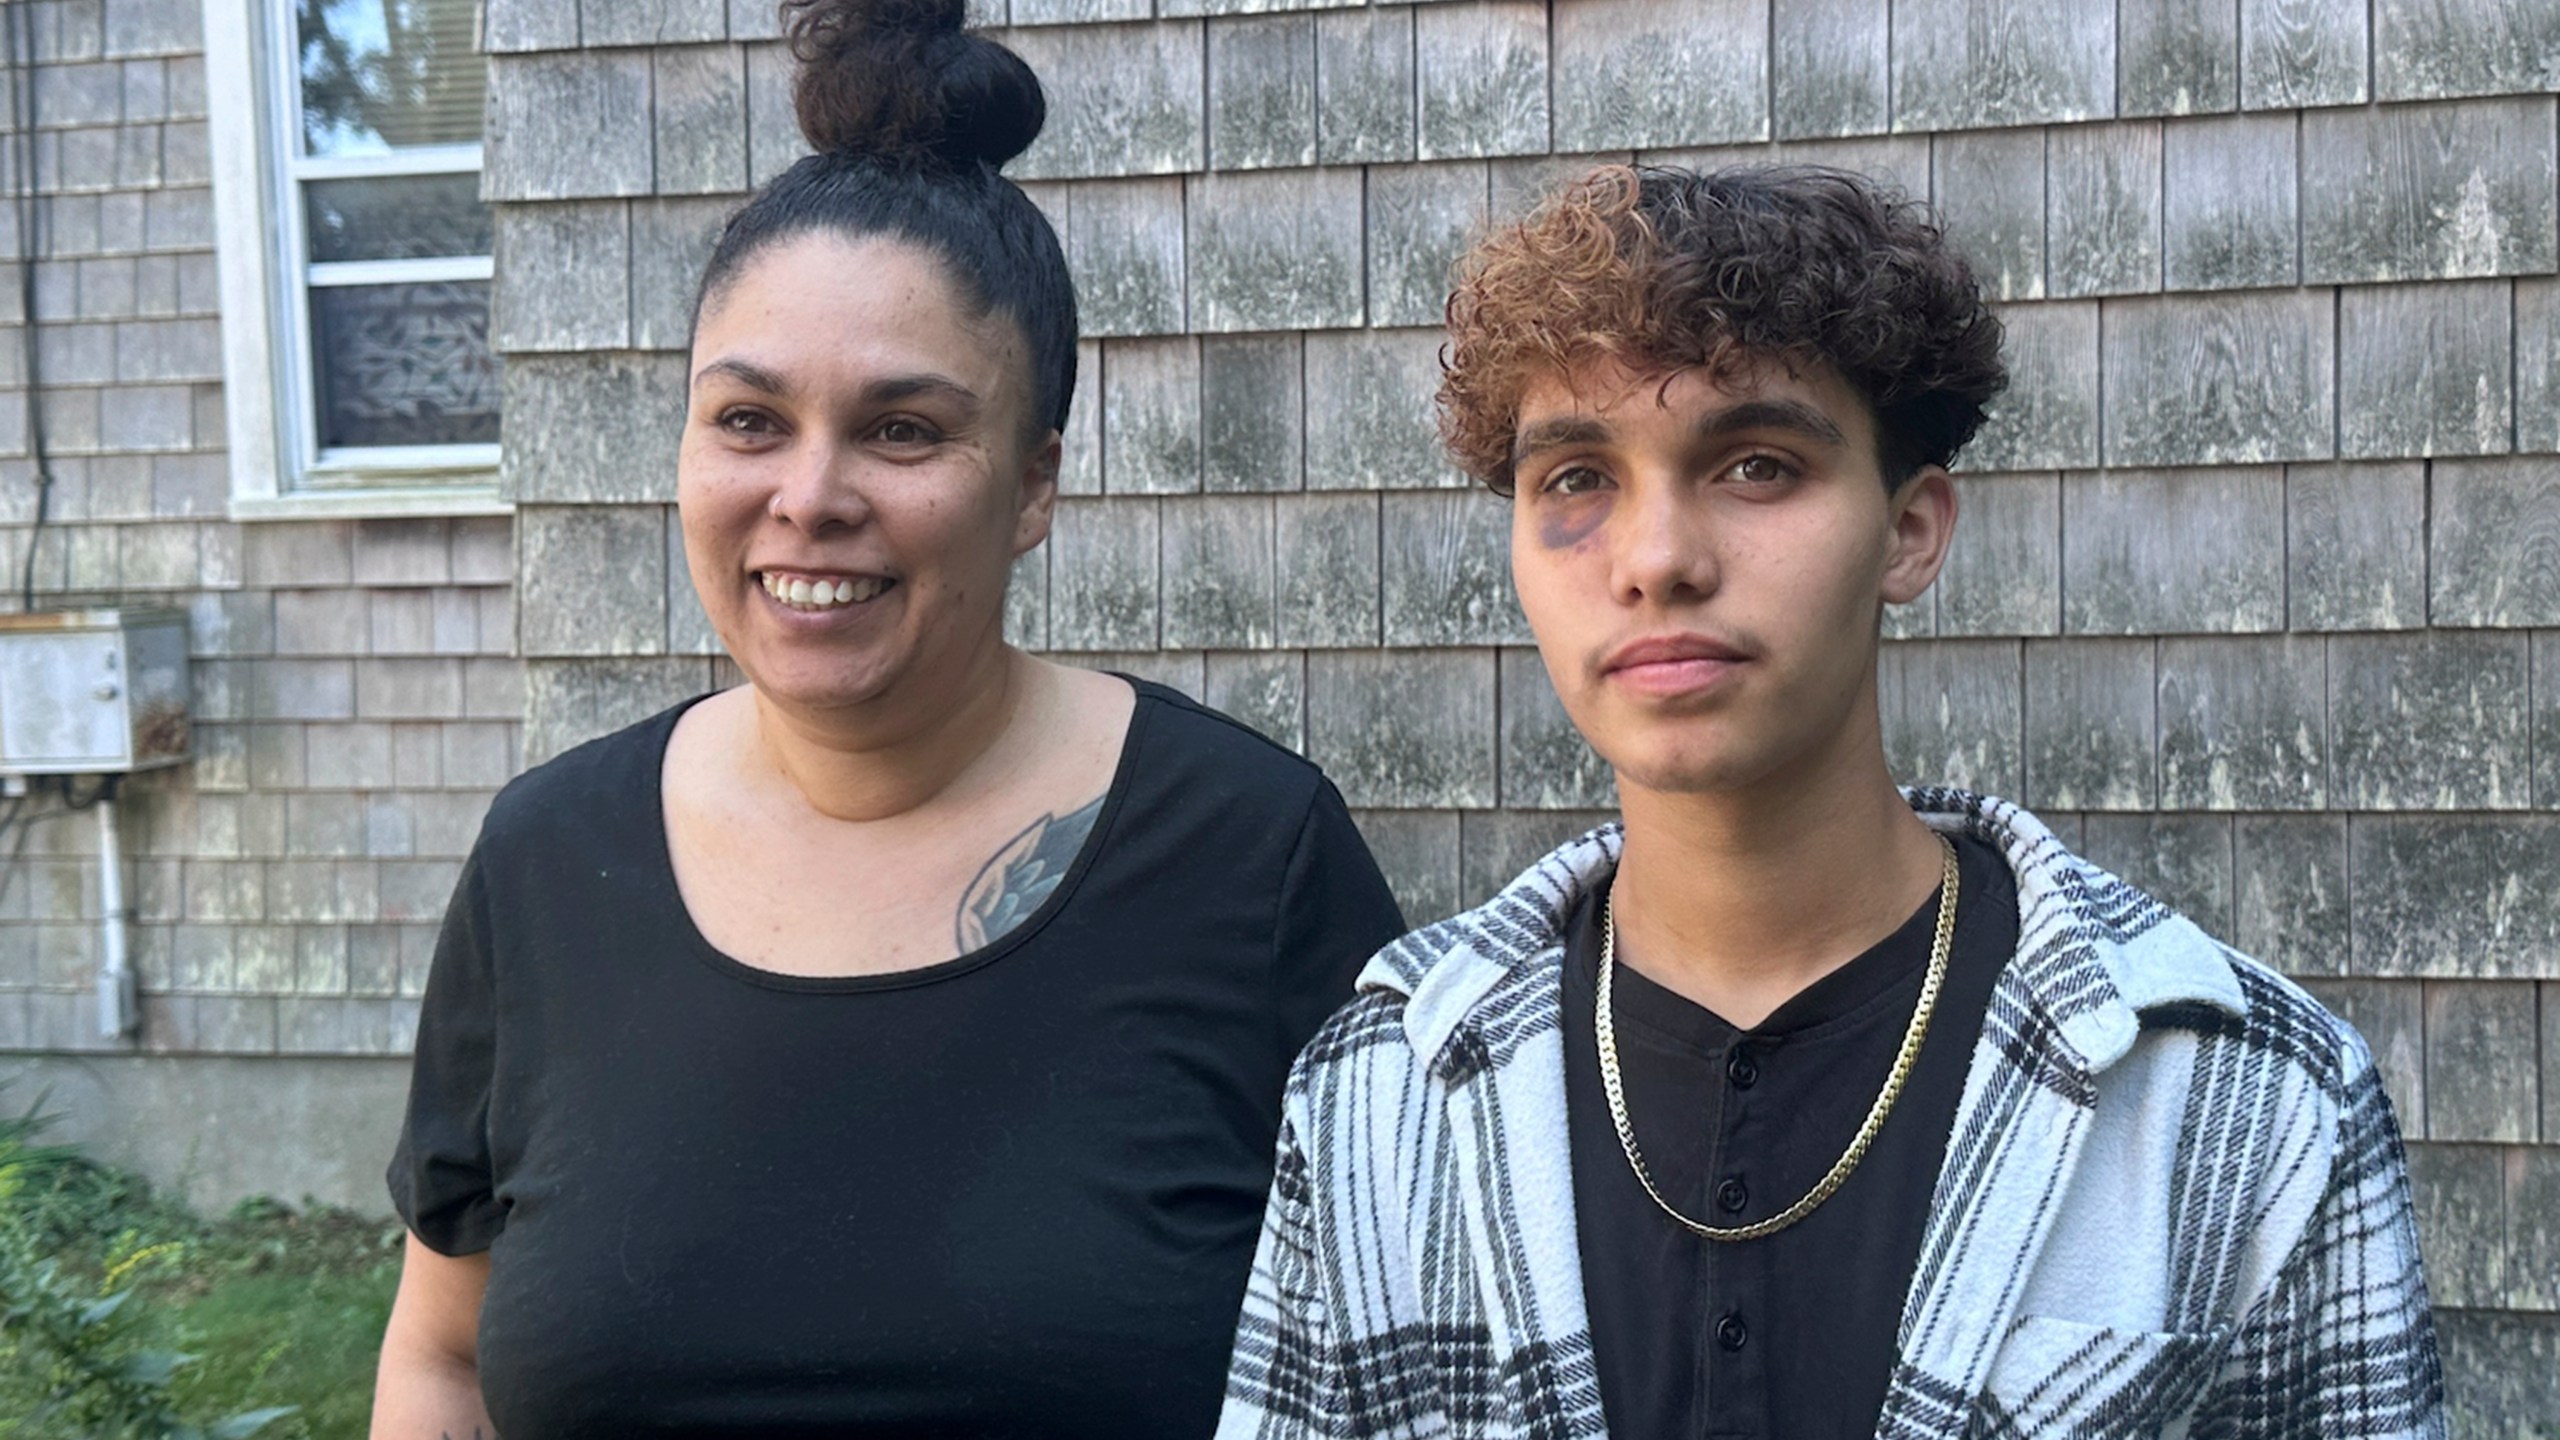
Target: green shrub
column 78, row 1355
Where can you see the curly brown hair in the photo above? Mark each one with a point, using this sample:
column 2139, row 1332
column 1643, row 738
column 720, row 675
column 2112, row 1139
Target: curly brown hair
column 1666, row 270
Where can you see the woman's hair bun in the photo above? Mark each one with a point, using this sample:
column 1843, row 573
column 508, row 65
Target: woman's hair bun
column 904, row 79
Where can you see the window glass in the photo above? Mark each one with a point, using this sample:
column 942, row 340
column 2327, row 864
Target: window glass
column 402, row 217
column 404, row 364
column 383, row 75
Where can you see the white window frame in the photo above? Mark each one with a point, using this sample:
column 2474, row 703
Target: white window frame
column 278, row 470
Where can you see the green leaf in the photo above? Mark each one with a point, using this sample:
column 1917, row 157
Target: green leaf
column 99, row 1313
column 239, row 1427
column 153, row 1367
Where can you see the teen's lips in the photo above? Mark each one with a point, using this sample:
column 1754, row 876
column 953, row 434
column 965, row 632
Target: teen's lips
column 1669, row 665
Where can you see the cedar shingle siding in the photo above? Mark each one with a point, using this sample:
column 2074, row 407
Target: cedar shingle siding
column 2256, row 596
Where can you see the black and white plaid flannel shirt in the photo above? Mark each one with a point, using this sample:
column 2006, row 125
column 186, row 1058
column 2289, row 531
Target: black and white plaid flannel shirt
column 2174, row 1200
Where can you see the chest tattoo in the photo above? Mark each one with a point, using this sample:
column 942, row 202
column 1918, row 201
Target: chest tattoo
column 1019, row 877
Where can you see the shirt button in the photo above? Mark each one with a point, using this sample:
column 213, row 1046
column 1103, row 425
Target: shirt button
column 1733, row 1195
column 1731, row 1333
column 1742, row 1070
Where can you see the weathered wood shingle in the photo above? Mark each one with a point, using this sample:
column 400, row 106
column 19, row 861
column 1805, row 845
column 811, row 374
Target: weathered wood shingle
column 2103, row 210
column 1252, row 412
column 1546, row 764
column 1410, row 730
column 1369, row 399
column 1610, row 57
column 2437, row 895
column 2493, row 542
column 1126, row 250
column 2048, row 417
column 1220, row 572
column 2290, row 897
column 1123, row 99
column 1328, row 548
column 1990, row 189
column 1151, row 416
column 1262, row 92
column 2177, row 57
column 2356, row 546
column 2423, row 369
column 1445, row 571
column 1481, row 77
column 1967, row 64
column 2431, row 49
column 1421, row 218
column 1364, row 85
column 1274, row 250
column 2228, row 207
column 2231, row 379
column 1105, row 576
column 2429, row 721
column 2422, row 192
column 2091, row 724
column 1951, row 713
column 568, row 126
column 2302, row 53
column 1830, row 65
column 700, row 94
column 2152, row 552
column 2244, row 723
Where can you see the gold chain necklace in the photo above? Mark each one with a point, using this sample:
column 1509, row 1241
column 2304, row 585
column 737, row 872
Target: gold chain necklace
column 1857, row 1151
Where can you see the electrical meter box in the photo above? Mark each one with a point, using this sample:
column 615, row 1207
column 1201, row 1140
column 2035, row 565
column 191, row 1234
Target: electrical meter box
column 92, row 692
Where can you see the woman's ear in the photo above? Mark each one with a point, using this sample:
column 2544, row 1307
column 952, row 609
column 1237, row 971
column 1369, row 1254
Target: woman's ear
column 1924, row 521
column 1039, row 494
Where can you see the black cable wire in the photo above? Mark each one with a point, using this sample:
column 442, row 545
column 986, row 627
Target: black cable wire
column 22, row 107
column 105, row 789
column 19, row 821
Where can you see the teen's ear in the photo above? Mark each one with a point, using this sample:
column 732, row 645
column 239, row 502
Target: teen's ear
column 1924, row 520
column 1039, row 494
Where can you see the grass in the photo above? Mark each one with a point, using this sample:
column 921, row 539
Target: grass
column 277, row 1307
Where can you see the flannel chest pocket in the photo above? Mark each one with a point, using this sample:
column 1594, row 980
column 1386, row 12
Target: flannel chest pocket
column 2055, row 1378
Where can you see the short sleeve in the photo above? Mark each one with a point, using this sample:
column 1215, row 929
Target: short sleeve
column 1335, row 912
column 442, row 1179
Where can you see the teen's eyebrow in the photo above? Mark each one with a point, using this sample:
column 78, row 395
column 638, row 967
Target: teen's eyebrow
column 1554, row 434
column 1790, row 415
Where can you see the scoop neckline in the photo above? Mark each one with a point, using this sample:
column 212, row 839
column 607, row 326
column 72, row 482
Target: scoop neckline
column 721, row 962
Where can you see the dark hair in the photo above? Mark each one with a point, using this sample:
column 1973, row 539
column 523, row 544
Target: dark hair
column 1665, row 269
column 911, row 116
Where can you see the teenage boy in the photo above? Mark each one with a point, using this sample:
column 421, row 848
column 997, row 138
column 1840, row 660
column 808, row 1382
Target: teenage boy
column 1796, row 1105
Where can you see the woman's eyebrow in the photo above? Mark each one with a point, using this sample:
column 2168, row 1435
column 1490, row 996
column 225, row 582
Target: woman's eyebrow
column 887, row 390
column 746, row 372
column 892, row 388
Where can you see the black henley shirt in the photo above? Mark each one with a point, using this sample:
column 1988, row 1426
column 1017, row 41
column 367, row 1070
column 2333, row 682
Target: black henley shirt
column 1790, row 1335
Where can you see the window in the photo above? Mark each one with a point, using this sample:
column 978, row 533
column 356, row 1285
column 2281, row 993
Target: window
column 355, row 254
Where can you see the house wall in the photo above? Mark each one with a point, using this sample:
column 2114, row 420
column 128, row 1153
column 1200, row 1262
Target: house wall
column 355, row 698
column 2256, row 597
column 2255, row 589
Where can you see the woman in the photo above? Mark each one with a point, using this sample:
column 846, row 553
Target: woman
column 890, row 1045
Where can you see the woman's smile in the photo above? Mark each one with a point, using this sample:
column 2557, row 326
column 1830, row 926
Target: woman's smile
column 814, row 591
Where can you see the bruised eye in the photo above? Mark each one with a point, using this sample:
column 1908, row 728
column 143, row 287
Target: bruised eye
column 1574, row 480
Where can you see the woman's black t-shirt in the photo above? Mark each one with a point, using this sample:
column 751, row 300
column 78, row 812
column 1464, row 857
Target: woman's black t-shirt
column 1012, row 1194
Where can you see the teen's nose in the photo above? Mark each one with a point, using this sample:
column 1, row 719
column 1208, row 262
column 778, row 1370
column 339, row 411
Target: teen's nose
column 1662, row 548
